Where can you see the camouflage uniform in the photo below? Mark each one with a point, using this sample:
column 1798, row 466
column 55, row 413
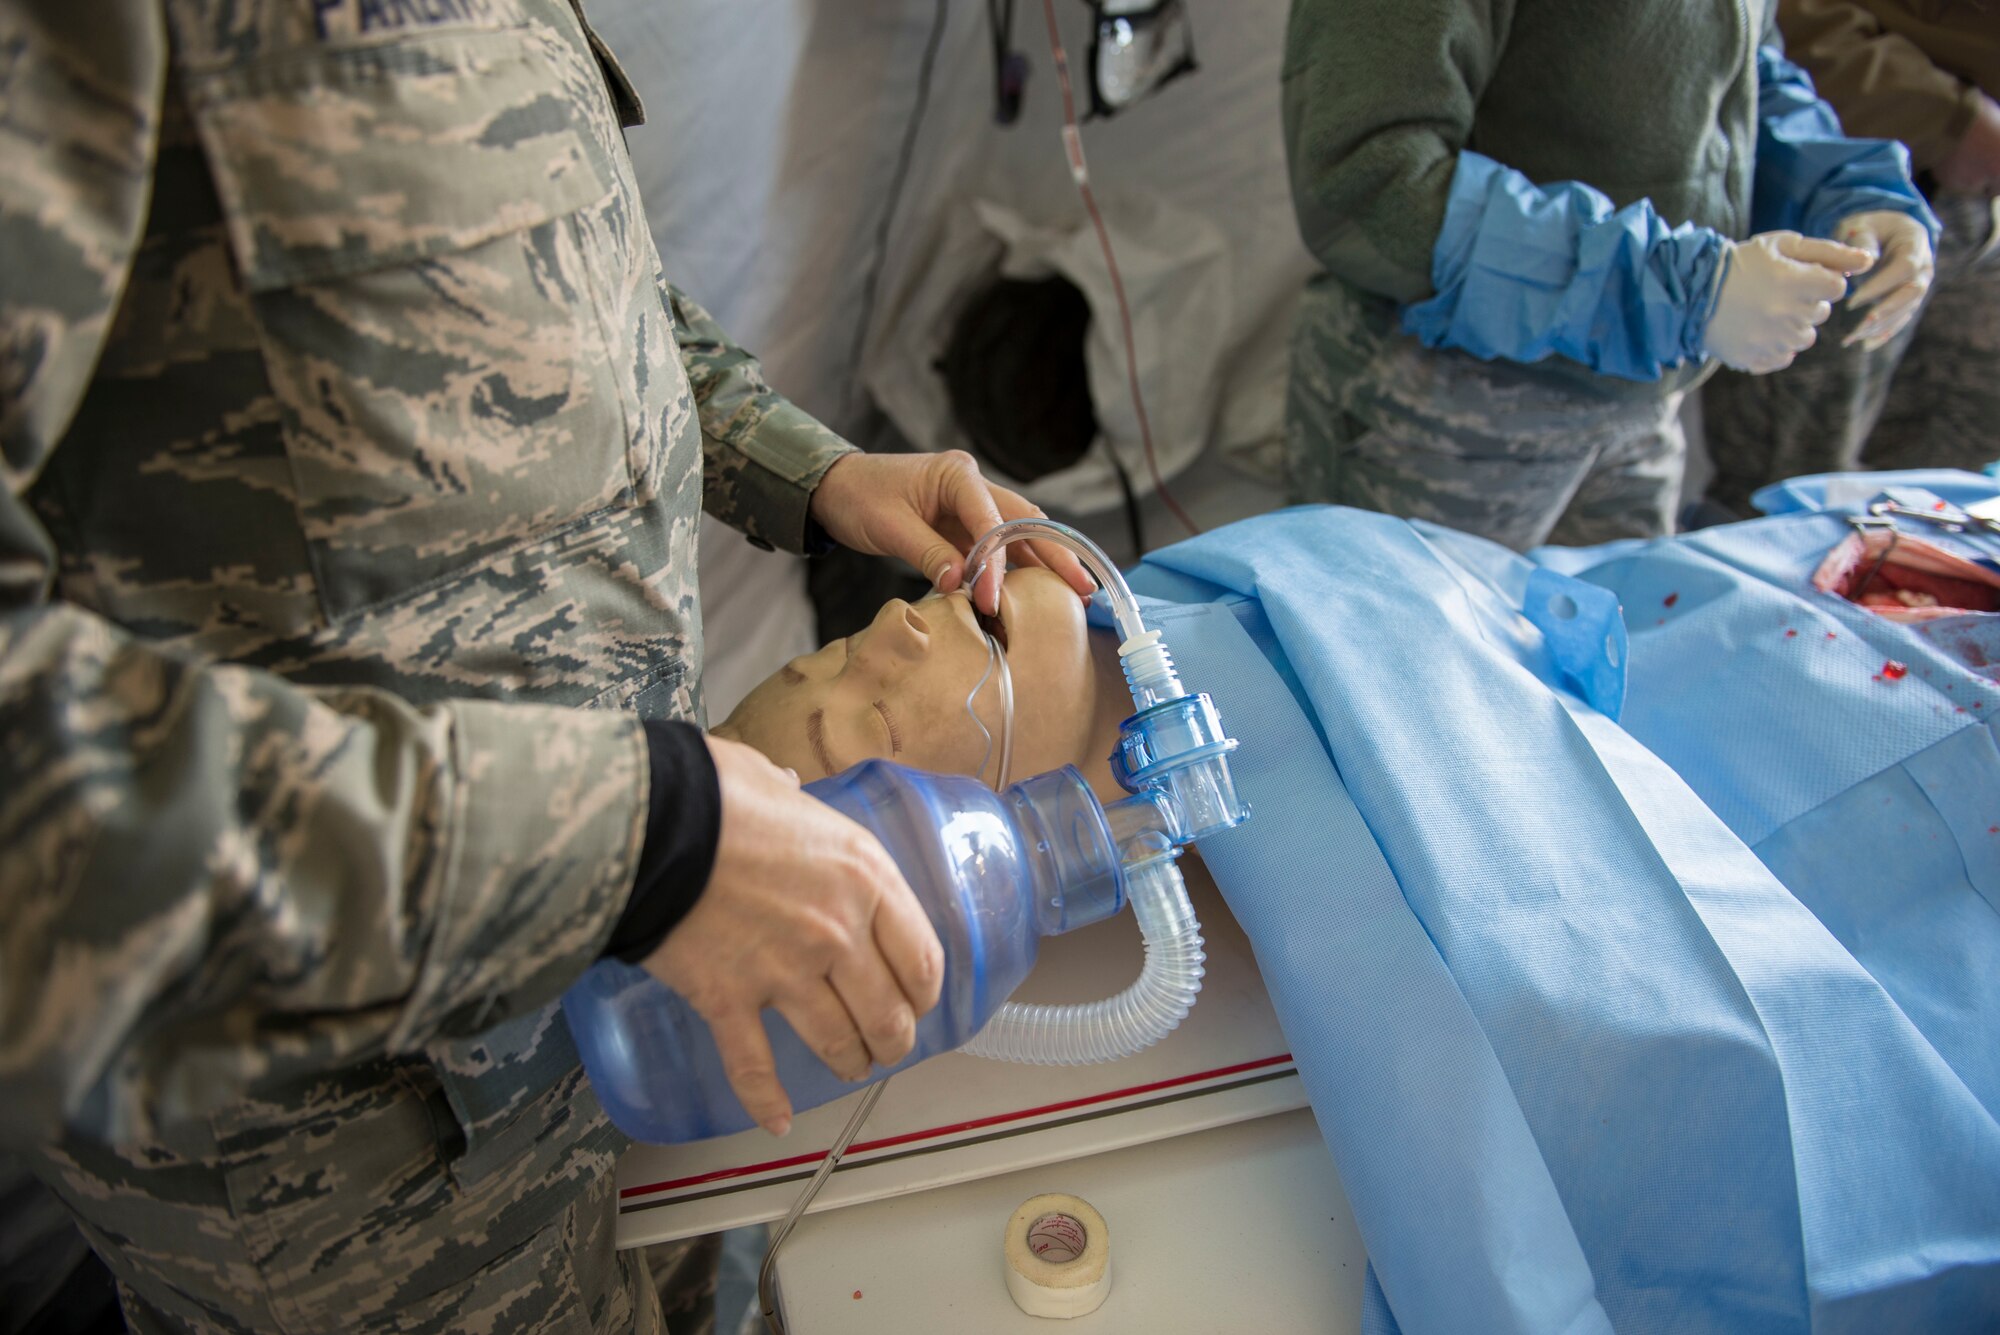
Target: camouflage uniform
column 350, row 433
column 40, row 1252
column 1376, row 420
column 1929, row 398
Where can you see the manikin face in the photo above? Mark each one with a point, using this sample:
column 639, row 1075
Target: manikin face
column 898, row 689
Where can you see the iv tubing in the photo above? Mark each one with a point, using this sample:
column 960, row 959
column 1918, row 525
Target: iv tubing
column 767, row 1301
column 1079, row 171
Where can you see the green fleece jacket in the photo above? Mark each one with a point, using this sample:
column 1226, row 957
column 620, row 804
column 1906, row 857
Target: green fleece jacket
column 1639, row 98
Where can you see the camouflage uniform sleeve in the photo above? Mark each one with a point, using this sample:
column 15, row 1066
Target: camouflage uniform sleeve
column 762, row 455
column 214, row 881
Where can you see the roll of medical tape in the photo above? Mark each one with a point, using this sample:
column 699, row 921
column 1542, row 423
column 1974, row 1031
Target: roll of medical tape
column 1058, row 1256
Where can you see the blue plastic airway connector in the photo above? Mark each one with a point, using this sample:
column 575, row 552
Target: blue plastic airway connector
column 995, row 872
column 1178, row 747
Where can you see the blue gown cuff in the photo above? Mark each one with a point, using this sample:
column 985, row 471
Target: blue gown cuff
column 1810, row 175
column 1525, row 272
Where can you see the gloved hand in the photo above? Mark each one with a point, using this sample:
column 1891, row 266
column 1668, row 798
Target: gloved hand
column 805, row 913
column 1779, row 287
column 1899, row 249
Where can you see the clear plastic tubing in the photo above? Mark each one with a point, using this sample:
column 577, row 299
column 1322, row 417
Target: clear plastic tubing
column 1140, row 1016
column 1124, row 607
column 1163, row 994
column 1149, row 669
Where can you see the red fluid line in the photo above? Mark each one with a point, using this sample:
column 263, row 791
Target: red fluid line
column 955, row 1128
column 1074, row 147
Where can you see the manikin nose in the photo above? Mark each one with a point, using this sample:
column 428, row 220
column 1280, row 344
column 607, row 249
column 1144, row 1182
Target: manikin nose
column 897, row 615
column 899, row 630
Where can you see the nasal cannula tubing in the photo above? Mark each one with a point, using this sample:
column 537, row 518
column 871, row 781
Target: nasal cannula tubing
column 996, row 663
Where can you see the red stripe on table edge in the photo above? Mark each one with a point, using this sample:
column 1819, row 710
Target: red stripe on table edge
column 977, row 1123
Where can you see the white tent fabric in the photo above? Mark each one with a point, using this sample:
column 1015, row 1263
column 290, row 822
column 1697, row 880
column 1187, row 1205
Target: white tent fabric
column 781, row 196
column 1176, row 270
column 1193, row 187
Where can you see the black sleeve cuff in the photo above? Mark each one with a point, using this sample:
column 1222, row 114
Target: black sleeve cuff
column 818, row 542
column 683, row 827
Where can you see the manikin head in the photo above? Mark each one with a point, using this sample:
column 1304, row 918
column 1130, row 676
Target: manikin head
column 898, row 689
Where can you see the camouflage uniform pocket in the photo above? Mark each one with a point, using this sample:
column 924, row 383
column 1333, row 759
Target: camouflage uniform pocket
column 413, row 222
column 530, row 1290
column 351, row 1219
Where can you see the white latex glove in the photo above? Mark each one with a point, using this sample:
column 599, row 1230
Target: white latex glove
column 1899, row 251
column 1778, row 289
column 805, row 913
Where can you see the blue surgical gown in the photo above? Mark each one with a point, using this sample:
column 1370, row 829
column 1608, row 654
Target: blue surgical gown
column 1873, row 795
column 1583, row 1063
